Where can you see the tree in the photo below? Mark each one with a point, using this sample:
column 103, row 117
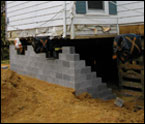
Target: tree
column 4, row 43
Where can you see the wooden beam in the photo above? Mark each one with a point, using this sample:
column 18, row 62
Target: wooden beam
column 142, row 81
column 96, row 36
column 132, row 84
column 131, row 66
column 131, row 76
column 131, row 92
column 136, row 29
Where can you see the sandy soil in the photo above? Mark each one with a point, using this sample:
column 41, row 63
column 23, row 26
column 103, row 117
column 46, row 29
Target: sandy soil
column 28, row 100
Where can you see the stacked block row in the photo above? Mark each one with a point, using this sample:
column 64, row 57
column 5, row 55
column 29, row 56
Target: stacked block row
column 68, row 71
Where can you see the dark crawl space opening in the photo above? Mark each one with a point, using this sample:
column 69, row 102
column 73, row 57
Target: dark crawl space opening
column 98, row 54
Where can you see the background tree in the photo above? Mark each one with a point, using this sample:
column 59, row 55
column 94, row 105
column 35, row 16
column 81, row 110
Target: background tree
column 4, row 42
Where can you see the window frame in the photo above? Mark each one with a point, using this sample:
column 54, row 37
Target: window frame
column 104, row 11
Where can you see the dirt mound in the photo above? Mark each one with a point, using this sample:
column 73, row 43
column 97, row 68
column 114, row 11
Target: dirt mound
column 15, row 94
column 28, row 100
column 84, row 96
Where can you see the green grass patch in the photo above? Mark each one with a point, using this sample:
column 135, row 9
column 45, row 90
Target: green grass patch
column 5, row 62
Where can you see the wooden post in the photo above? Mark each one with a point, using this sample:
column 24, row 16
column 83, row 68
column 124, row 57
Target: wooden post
column 142, row 81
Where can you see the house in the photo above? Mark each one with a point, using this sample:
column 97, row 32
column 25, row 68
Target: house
column 73, row 19
column 90, row 26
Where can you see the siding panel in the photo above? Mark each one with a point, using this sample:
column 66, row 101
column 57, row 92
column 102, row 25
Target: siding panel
column 130, row 12
column 36, row 14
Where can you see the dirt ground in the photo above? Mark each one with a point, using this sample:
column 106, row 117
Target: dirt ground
column 28, row 100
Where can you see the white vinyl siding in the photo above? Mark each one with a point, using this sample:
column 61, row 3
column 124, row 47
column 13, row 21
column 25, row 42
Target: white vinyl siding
column 130, row 12
column 26, row 15
column 36, row 14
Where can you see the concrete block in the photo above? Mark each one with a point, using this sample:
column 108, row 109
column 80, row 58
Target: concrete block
column 69, row 71
column 89, row 76
column 43, row 77
column 26, row 53
column 32, row 69
column 97, row 80
column 62, row 56
column 80, row 77
column 104, row 92
column 94, row 75
column 72, row 57
column 67, row 77
column 22, row 63
column 82, row 85
column 30, row 48
column 69, row 57
column 43, row 55
column 38, row 58
column 74, row 64
column 68, row 84
column 51, row 74
column 100, row 87
column 58, row 75
column 66, row 64
column 68, row 50
column 30, row 74
column 119, row 102
column 86, row 70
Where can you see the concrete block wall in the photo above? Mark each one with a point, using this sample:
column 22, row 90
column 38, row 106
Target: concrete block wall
column 68, row 71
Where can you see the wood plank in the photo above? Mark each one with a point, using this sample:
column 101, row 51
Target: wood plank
column 131, row 66
column 137, row 29
column 131, row 93
column 142, row 81
column 131, row 76
column 119, row 73
column 96, row 36
column 132, row 84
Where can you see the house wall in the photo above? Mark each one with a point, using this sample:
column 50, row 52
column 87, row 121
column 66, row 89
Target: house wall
column 45, row 18
column 90, row 24
column 131, row 12
column 25, row 15
column 131, row 17
column 27, row 18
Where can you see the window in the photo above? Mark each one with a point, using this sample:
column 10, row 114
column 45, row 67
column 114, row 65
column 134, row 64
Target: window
column 95, row 5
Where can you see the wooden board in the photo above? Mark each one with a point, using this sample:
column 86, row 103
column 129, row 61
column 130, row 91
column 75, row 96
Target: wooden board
column 130, row 75
column 131, row 66
column 132, row 84
column 131, row 93
column 96, row 36
column 137, row 29
column 142, row 81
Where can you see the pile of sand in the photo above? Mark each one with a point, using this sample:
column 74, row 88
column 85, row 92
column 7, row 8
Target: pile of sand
column 16, row 95
column 24, row 99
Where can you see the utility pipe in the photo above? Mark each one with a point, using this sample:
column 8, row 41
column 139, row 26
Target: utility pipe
column 72, row 20
column 64, row 19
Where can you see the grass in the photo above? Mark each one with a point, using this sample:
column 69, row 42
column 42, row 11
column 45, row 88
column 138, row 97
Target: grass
column 5, row 62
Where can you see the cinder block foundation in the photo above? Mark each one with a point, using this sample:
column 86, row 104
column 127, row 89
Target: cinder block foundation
column 68, row 71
